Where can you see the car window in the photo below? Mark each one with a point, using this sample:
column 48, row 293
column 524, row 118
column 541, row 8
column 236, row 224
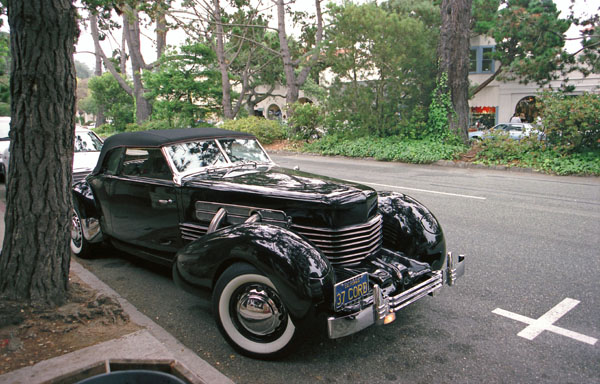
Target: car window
column 243, row 150
column 87, row 142
column 193, row 156
column 111, row 161
column 514, row 127
column 142, row 162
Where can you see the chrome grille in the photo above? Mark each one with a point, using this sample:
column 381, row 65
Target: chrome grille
column 346, row 245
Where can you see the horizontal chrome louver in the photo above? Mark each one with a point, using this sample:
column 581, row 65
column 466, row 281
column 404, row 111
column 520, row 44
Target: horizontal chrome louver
column 79, row 176
column 191, row 231
column 346, row 245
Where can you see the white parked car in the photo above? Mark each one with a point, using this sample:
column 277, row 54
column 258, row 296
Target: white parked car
column 87, row 151
column 4, row 144
column 515, row 131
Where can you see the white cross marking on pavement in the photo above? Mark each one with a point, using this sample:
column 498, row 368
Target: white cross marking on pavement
column 546, row 322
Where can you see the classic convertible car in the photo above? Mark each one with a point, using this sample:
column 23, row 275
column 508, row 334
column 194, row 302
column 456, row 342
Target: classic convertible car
column 283, row 251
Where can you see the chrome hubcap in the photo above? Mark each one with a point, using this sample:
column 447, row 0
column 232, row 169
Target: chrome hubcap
column 258, row 312
column 76, row 234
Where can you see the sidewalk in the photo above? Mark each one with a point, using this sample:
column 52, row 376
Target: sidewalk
column 152, row 345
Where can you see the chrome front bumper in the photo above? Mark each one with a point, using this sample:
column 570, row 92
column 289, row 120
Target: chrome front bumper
column 383, row 306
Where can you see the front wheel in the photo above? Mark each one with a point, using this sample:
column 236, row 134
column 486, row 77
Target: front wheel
column 251, row 315
column 79, row 245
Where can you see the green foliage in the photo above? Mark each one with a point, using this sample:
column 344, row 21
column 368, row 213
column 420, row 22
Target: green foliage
column 530, row 40
column 88, row 105
column 306, row 120
column 185, row 86
column 5, row 57
column 265, row 130
column 4, row 109
column 483, row 15
column 119, row 106
column 440, row 109
column 571, row 123
column 532, row 153
column 82, row 70
column 589, row 59
column 392, row 148
column 378, row 55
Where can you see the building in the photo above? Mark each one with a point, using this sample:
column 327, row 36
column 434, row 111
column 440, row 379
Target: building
column 499, row 101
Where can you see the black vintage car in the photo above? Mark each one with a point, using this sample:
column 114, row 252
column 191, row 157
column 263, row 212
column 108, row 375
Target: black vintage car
column 283, row 251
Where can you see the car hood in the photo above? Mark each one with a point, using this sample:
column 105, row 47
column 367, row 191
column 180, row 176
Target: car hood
column 85, row 160
column 308, row 198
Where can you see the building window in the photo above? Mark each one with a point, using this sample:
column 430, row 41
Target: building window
column 483, row 118
column 480, row 60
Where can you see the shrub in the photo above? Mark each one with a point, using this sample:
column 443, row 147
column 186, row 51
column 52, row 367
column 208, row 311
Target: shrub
column 4, row 109
column 571, row 123
column 306, row 121
column 533, row 153
column 392, row 148
column 265, row 130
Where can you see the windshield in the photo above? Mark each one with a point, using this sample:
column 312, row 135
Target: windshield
column 244, row 151
column 87, row 141
column 197, row 156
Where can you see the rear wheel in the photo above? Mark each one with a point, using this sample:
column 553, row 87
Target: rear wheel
column 251, row 315
column 79, row 245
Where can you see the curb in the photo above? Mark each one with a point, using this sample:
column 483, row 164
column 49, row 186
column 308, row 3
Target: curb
column 153, row 343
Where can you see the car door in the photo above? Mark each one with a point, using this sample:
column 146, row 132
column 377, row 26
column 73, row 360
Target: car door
column 142, row 202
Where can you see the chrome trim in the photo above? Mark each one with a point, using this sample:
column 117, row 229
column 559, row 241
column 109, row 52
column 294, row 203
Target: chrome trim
column 346, row 245
column 239, row 214
column 217, row 219
column 455, row 268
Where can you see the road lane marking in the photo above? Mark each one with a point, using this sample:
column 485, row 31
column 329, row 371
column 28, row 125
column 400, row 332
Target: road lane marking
column 546, row 322
column 420, row 190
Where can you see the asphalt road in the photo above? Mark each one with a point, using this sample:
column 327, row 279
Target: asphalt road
column 527, row 310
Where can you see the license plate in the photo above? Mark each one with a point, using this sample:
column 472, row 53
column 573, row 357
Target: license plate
column 351, row 290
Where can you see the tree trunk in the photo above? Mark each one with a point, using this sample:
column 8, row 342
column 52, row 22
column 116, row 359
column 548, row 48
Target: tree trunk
column 220, row 51
column 454, row 59
column 294, row 82
column 288, row 65
column 34, row 264
column 100, row 119
column 131, row 29
column 161, row 34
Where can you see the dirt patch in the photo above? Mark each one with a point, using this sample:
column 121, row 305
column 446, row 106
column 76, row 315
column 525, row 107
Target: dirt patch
column 471, row 154
column 283, row 145
column 29, row 335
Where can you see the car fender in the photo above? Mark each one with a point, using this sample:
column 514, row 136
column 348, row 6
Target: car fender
column 84, row 201
column 299, row 271
column 409, row 227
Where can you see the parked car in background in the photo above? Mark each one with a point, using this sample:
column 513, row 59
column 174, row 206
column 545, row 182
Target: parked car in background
column 87, row 150
column 4, row 144
column 515, row 131
column 283, row 251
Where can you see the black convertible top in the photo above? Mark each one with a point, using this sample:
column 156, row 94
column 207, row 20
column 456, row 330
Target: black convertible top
column 158, row 138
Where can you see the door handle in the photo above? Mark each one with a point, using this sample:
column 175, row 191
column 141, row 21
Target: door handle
column 165, row 202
